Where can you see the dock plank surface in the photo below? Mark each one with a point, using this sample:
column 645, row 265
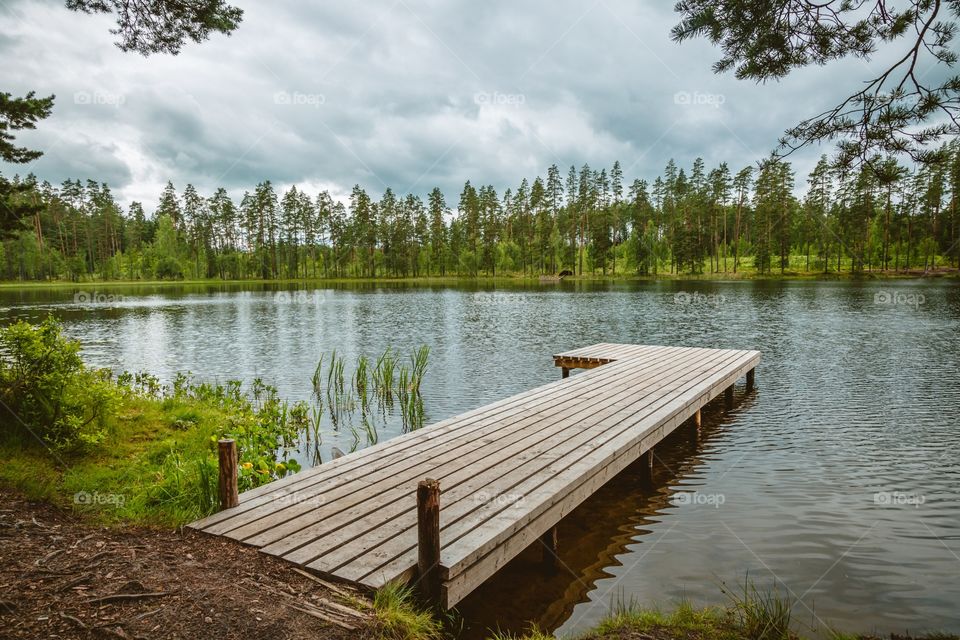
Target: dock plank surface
column 508, row 471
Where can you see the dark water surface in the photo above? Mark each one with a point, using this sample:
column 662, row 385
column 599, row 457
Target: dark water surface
column 838, row 478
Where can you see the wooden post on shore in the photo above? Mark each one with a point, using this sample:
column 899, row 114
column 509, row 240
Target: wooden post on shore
column 728, row 398
column 428, row 540
column 564, row 372
column 229, row 495
column 646, row 468
column 550, row 549
column 751, row 378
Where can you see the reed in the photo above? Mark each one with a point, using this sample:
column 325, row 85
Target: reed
column 370, row 430
column 360, row 376
column 317, row 377
column 418, row 362
column 335, row 379
column 383, row 373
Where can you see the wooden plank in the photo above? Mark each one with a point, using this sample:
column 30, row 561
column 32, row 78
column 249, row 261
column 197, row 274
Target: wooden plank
column 488, row 555
column 687, row 396
column 470, row 478
column 521, row 438
column 554, row 445
column 454, row 530
column 588, row 437
column 397, row 447
column 314, row 496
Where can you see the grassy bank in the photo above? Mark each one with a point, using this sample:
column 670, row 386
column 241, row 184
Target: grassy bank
column 129, row 449
column 758, row 617
column 154, row 464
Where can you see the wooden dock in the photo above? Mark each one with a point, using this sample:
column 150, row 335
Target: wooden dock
column 508, row 472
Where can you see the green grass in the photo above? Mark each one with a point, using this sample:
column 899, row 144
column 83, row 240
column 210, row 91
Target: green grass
column 399, row 618
column 155, row 467
column 751, row 615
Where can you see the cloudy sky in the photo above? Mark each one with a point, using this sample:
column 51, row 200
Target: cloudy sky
column 410, row 94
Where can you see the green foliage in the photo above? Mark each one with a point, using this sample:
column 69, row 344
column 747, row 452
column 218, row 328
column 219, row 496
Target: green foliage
column 681, row 223
column 17, row 114
column 163, row 26
column 46, row 391
column 150, row 447
column 399, row 618
column 761, row 615
column 890, row 114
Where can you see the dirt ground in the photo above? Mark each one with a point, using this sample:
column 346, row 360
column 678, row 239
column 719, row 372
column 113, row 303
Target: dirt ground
column 61, row 578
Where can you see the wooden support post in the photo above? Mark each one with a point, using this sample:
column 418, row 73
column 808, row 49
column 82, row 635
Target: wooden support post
column 646, row 468
column 697, row 423
column 428, row 540
column 229, row 495
column 751, row 378
column 564, row 372
column 550, row 549
column 728, row 398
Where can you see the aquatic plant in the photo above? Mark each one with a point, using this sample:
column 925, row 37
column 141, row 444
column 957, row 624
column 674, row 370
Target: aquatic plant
column 383, row 373
column 316, row 377
column 418, row 362
column 360, row 380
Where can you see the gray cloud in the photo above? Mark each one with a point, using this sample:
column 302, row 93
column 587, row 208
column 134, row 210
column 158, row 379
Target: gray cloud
column 410, row 94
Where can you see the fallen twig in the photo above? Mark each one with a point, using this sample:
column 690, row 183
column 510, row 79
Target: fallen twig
column 323, row 583
column 77, row 621
column 318, row 614
column 78, row 580
column 148, row 613
column 119, row 597
column 44, row 559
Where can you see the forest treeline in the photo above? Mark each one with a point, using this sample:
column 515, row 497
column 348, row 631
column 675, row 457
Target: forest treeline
column 880, row 216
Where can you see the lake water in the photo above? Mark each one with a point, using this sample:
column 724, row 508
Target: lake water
column 837, row 479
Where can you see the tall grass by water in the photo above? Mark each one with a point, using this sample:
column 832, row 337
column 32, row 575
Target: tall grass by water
column 377, row 387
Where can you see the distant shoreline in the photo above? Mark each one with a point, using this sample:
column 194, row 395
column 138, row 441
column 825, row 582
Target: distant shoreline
column 948, row 274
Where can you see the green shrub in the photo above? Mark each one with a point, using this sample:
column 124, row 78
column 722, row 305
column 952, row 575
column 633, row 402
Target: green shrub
column 46, row 391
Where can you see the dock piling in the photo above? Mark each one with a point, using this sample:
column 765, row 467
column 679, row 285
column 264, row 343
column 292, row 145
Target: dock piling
column 564, row 372
column 751, row 378
column 728, row 398
column 550, row 544
column 646, row 468
column 227, row 485
column 428, row 539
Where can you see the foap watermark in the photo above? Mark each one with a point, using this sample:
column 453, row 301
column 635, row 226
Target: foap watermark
column 299, row 297
column 502, row 298
column 695, row 297
column 299, row 498
column 900, row 298
column 498, row 499
column 899, row 499
column 93, row 297
column 296, row 98
column 96, row 498
column 697, row 98
column 684, row 498
column 104, row 98
column 499, row 99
